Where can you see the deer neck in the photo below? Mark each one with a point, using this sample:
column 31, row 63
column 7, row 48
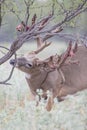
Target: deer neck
column 32, row 74
column 35, row 79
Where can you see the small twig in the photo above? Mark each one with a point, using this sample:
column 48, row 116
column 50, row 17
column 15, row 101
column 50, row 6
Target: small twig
column 6, row 80
column 53, row 6
column 3, row 48
column 28, row 4
column 11, row 72
column 13, row 11
column 26, row 36
column 2, row 52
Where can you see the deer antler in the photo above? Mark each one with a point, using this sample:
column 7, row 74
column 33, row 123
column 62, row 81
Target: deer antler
column 75, row 47
column 46, row 44
column 65, row 55
column 39, row 42
column 40, row 46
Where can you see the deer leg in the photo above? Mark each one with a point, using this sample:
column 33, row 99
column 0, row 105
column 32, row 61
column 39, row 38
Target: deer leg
column 50, row 100
column 49, row 103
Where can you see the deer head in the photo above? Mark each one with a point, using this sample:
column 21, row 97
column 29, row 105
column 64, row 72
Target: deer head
column 30, row 62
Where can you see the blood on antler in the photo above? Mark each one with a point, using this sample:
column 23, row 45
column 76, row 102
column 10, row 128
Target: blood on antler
column 55, row 61
column 65, row 55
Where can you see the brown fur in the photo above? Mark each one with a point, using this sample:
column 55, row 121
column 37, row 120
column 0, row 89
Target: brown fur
column 46, row 78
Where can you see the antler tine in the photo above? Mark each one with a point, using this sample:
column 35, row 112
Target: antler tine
column 41, row 45
column 46, row 44
column 75, row 47
column 39, row 41
column 65, row 55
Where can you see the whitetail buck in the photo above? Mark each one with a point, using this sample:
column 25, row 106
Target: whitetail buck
column 61, row 75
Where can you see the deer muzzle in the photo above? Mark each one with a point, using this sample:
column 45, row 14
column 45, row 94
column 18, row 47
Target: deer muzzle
column 13, row 62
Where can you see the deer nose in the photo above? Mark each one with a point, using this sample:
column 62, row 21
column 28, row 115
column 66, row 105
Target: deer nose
column 12, row 62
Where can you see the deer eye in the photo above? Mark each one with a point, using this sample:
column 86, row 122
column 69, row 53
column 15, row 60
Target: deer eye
column 28, row 65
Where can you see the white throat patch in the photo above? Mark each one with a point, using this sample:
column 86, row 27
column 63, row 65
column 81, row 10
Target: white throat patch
column 28, row 76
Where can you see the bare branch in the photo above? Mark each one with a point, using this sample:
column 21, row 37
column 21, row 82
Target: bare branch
column 36, row 30
column 4, row 48
column 53, row 32
column 12, row 11
column 11, row 72
column 72, row 14
column 28, row 4
column 53, row 6
column 6, row 80
column 62, row 6
column 27, row 13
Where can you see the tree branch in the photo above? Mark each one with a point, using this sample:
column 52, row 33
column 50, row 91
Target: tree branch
column 33, row 32
column 11, row 72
